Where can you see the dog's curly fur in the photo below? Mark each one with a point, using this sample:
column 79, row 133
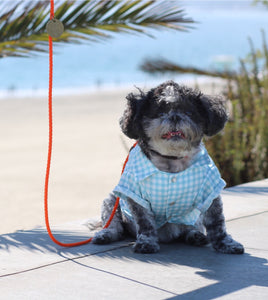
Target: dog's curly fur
column 147, row 118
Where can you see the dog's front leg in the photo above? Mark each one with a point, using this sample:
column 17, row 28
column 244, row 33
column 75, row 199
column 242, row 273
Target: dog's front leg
column 215, row 224
column 146, row 231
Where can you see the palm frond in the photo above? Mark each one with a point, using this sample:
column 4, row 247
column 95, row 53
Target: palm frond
column 154, row 66
column 23, row 26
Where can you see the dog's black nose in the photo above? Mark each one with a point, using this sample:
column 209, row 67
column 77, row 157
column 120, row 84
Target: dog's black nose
column 174, row 118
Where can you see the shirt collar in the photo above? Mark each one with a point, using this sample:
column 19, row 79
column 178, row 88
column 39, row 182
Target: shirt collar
column 142, row 167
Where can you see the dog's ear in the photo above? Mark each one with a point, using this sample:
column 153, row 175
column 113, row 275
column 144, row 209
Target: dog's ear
column 214, row 112
column 130, row 122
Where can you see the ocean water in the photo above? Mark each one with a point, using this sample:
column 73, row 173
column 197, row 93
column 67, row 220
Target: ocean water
column 218, row 40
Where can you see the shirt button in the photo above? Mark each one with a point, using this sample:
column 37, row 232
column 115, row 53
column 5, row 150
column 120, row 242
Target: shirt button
column 171, row 203
column 173, row 179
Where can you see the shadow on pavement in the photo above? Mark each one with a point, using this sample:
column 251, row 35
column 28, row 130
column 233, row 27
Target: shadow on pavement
column 231, row 272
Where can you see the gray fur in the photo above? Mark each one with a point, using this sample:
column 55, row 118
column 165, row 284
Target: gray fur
column 214, row 222
column 146, row 232
column 115, row 232
column 169, row 123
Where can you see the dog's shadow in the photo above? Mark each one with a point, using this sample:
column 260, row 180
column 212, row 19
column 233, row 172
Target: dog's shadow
column 231, row 272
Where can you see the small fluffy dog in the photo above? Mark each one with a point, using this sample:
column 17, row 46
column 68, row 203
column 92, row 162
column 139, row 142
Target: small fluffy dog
column 170, row 189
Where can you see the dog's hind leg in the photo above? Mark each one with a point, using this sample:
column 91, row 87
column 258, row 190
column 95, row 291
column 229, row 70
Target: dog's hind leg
column 115, row 231
column 215, row 224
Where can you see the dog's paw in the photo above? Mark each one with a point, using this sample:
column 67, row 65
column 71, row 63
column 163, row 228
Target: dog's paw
column 145, row 244
column 228, row 246
column 196, row 238
column 146, row 247
column 105, row 236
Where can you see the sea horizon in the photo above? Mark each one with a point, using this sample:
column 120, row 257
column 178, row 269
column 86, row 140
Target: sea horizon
column 218, row 40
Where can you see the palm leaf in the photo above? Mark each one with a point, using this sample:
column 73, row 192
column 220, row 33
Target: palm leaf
column 23, row 26
column 154, row 66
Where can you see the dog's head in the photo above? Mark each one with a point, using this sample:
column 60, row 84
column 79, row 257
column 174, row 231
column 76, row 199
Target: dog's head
column 172, row 119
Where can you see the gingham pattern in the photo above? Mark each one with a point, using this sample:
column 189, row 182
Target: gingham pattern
column 172, row 197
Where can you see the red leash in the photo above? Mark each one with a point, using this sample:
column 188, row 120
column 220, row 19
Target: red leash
column 50, row 117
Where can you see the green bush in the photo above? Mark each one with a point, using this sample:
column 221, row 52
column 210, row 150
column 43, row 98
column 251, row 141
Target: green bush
column 241, row 151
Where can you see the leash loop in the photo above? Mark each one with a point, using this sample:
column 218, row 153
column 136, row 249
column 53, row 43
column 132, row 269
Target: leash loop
column 50, row 142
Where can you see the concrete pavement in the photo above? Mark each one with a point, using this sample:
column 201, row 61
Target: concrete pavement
column 33, row 267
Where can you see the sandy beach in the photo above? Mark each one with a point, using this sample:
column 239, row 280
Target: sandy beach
column 88, row 152
column 86, row 163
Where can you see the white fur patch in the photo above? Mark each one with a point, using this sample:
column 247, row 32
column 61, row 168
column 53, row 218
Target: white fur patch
column 169, row 94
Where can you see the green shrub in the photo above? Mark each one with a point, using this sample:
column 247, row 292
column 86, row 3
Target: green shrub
column 241, row 151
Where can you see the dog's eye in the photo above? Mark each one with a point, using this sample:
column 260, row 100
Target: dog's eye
column 189, row 113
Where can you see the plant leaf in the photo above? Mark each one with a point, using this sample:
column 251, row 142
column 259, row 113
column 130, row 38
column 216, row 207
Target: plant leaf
column 23, row 26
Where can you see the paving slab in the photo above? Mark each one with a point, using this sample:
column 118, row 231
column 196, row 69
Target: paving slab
column 32, row 267
column 246, row 199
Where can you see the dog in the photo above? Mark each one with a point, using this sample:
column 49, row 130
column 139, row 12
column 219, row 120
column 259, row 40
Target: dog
column 170, row 188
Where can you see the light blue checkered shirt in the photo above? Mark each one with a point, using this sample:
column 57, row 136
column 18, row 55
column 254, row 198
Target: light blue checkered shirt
column 172, row 197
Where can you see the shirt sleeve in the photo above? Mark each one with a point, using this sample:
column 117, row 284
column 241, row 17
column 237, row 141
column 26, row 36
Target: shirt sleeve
column 129, row 187
column 211, row 189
